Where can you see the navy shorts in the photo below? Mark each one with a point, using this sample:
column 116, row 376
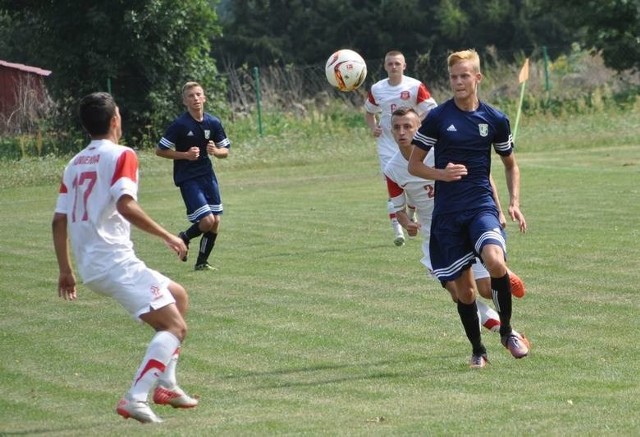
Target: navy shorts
column 201, row 197
column 456, row 240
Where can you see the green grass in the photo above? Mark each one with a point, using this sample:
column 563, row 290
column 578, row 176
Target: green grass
column 316, row 324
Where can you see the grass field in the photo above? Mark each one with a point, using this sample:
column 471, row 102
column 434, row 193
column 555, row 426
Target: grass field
column 315, row 324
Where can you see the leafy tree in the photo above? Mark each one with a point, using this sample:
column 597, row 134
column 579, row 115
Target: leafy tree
column 609, row 26
column 142, row 50
column 307, row 31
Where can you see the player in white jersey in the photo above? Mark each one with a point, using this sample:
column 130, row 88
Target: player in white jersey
column 385, row 96
column 406, row 188
column 97, row 203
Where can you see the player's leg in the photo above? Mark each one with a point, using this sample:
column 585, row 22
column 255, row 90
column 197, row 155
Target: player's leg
column 153, row 298
column 386, row 150
column 488, row 317
column 468, row 312
column 167, row 390
column 398, row 232
column 209, row 221
column 193, row 202
column 486, row 228
column 209, row 224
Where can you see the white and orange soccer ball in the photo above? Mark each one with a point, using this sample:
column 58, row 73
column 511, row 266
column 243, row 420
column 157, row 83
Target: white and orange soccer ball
column 346, row 70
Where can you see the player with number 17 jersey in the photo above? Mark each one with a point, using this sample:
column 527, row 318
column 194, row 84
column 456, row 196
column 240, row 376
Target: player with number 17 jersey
column 92, row 182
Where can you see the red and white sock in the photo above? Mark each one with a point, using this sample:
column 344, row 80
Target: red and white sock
column 489, row 318
column 159, row 353
column 168, row 377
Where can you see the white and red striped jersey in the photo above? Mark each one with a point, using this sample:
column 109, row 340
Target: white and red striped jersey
column 92, row 183
column 384, row 98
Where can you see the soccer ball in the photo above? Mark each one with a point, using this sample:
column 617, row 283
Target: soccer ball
column 346, row 70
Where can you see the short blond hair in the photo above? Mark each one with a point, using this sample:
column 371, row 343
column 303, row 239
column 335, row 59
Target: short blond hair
column 187, row 86
column 465, row 55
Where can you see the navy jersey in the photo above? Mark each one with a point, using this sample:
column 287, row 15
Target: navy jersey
column 186, row 132
column 462, row 137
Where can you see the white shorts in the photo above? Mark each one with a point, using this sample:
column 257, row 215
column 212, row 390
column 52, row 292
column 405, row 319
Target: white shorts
column 136, row 287
column 479, row 270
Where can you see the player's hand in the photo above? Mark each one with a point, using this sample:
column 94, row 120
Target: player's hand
column 67, row 286
column 193, row 153
column 502, row 219
column 516, row 215
column 218, row 152
column 454, row 172
column 412, row 228
column 376, row 131
column 176, row 244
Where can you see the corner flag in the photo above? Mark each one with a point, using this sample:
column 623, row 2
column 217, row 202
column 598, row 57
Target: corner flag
column 524, row 72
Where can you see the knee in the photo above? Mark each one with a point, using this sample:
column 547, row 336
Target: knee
column 466, row 295
column 496, row 266
column 209, row 223
column 181, row 297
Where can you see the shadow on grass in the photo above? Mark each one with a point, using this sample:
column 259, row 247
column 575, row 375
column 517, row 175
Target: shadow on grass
column 359, row 371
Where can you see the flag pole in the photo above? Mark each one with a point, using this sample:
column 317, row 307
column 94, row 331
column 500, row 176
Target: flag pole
column 515, row 128
column 522, row 78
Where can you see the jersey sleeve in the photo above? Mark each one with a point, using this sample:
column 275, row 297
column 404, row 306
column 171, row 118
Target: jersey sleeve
column 219, row 135
column 427, row 135
column 397, row 197
column 424, row 101
column 61, row 202
column 170, row 137
column 370, row 105
column 503, row 141
column 125, row 176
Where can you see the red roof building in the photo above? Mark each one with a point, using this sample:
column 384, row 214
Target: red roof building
column 17, row 80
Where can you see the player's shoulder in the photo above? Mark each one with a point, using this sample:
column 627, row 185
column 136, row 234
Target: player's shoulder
column 411, row 81
column 492, row 110
column 443, row 108
column 379, row 85
column 210, row 118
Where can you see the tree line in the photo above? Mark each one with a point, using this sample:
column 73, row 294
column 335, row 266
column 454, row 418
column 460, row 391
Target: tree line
column 143, row 50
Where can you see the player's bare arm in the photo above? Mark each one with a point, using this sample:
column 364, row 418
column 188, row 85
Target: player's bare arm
column 133, row 212
column 512, row 174
column 417, row 167
column 496, row 199
column 373, row 124
column 411, row 227
column 191, row 155
column 218, row 152
column 66, row 278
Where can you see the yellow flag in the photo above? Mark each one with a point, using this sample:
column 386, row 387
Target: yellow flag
column 524, row 72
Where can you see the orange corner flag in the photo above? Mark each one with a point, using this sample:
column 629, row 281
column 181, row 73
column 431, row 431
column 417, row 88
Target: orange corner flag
column 524, row 72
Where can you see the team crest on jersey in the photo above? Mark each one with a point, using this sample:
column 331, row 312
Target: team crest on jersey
column 404, row 95
column 484, row 129
column 207, row 133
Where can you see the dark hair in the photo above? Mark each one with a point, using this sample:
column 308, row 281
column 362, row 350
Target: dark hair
column 96, row 111
column 402, row 111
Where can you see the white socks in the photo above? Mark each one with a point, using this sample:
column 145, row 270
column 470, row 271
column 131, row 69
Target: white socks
column 162, row 347
column 168, row 378
column 489, row 318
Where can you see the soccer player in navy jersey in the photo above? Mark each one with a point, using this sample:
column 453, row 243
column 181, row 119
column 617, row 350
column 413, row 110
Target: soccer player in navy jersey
column 189, row 141
column 465, row 221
